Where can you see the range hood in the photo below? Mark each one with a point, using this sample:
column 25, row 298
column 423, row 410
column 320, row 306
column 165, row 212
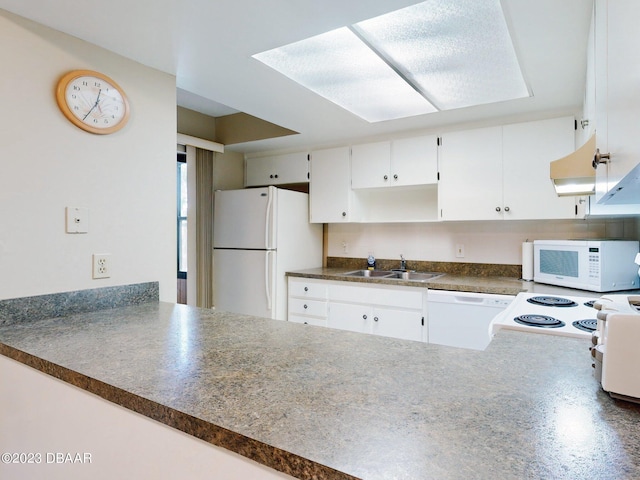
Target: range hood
column 626, row 191
column 575, row 174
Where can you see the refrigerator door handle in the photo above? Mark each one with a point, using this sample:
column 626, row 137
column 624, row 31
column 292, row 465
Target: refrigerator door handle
column 267, row 229
column 267, row 278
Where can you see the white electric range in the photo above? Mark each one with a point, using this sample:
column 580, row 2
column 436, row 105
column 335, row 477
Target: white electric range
column 571, row 316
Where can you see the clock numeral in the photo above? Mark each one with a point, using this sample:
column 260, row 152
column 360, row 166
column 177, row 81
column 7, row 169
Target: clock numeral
column 85, row 83
column 76, row 88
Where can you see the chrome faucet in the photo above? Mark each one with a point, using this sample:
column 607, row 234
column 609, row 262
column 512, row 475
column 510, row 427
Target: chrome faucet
column 403, row 263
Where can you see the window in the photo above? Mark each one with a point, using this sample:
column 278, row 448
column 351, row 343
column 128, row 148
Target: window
column 182, row 214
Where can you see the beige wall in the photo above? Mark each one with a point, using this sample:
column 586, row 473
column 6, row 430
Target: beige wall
column 498, row 242
column 126, row 180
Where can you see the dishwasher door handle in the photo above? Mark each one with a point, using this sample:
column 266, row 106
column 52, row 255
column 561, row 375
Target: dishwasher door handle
column 474, row 300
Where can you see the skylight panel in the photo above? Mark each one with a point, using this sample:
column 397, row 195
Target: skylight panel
column 436, row 55
column 458, row 53
column 341, row 68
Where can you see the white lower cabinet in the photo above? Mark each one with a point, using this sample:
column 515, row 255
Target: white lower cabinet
column 456, row 319
column 390, row 311
column 307, row 301
column 349, row 316
column 404, row 324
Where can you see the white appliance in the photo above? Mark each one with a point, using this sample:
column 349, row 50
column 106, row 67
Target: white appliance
column 615, row 351
column 571, row 316
column 258, row 235
column 460, row 319
column 595, row 265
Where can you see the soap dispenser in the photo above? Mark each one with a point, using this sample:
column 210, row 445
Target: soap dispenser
column 371, row 262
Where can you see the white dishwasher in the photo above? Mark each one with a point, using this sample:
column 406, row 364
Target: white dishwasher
column 461, row 319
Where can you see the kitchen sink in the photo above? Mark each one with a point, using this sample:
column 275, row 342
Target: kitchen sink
column 394, row 275
column 370, row 273
column 416, row 276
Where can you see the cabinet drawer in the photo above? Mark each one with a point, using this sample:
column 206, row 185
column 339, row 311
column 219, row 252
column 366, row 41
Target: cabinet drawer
column 306, row 288
column 318, row 322
column 303, row 306
column 388, row 296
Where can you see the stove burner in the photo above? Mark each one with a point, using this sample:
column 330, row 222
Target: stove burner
column 542, row 321
column 589, row 303
column 586, row 325
column 552, row 301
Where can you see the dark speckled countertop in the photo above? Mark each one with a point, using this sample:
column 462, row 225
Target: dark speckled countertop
column 456, row 282
column 322, row 403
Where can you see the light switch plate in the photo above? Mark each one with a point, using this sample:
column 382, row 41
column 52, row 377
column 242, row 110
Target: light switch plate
column 77, row 220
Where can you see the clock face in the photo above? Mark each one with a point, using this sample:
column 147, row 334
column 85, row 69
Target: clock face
column 92, row 101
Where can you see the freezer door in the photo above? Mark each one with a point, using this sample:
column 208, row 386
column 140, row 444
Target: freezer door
column 244, row 218
column 244, row 281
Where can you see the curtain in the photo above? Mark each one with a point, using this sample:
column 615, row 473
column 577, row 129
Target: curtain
column 204, row 227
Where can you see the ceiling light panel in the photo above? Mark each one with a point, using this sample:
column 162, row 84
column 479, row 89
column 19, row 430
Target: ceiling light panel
column 458, row 52
column 341, row 68
column 435, row 55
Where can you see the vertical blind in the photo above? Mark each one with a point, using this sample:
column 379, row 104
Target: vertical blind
column 204, row 227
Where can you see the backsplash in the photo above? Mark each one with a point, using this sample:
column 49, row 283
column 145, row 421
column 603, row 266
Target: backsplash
column 25, row 309
column 452, row 268
column 489, row 242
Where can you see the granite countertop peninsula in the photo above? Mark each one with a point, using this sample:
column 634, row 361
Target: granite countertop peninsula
column 319, row 403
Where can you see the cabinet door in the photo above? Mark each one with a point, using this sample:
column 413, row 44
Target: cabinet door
column 470, row 186
column 414, row 161
column 277, row 169
column 397, row 324
column 528, row 149
column 346, row 316
column 330, row 186
column 370, row 165
column 617, row 89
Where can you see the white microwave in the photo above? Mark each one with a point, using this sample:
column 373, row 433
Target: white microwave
column 596, row 265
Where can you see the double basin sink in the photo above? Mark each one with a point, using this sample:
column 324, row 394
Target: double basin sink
column 394, row 274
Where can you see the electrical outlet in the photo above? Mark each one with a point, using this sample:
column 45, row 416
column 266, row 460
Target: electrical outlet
column 459, row 250
column 101, row 265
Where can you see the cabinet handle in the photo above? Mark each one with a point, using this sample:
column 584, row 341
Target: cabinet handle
column 305, row 306
column 271, row 176
column 344, row 214
column 364, row 317
column 497, row 209
column 386, row 177
column 276, row 175
column 306, row 289
column 506, row 209
column 375, row 319
column 395, row 177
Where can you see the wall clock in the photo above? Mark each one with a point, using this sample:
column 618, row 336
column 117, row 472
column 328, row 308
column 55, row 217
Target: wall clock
column 92, row 101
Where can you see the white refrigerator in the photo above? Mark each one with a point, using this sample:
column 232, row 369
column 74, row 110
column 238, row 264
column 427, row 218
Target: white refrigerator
column 258, row 235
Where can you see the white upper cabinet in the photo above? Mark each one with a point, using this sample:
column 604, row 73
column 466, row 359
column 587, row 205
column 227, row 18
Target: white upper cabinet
column 470, row 185
column 502, row 172
column 277, row 170
column 527, row 150
column 330, row 196
column 370, row 163
column 403, row 162
column 615, row 71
